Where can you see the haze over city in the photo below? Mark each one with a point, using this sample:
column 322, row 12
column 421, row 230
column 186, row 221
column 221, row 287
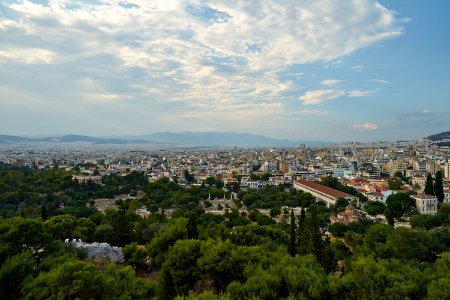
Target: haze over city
column 300, row 70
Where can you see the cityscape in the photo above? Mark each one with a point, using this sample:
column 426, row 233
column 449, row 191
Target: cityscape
column 193, row 149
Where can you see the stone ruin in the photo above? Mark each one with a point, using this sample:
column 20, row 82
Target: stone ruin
column 99, row 250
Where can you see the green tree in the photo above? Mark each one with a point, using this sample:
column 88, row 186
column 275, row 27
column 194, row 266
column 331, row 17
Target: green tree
column 292, row 236
column 375, row 240
column 180, row 272
column 438, row 188
column 408, row 244
column 165, row 238
column 425, row 221
column 20, row 233
column 338, row 229
column 13, row 274
column 189, row 177
column 374, row 208
column 134, row 255
column 275, row 211
column 429, row 188
column 398, row 204
column 303, row 233
column 44, row 212
column 192, row 231
column 439, row 287
column 395, row 183
column 315, row 244
column 104, row 233
column 71, row 280
column 61, row 227
column 369, row 278
column 210, row 180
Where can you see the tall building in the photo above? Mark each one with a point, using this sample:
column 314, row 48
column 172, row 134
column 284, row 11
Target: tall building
column 447, row 170
column 433, row 166
column 284, row 167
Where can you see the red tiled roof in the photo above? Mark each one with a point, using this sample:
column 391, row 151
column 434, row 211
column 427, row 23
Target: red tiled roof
column 323, row 189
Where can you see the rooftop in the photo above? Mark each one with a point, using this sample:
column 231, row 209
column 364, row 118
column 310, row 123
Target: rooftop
column 323, row 189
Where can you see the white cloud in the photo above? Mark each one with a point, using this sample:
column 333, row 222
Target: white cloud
column 320, row 96
column 330, row 82
column 359, row 93
column 426, row 111
column 365, row 126
column 357, row 68
column 166, row 53
column 377, row 80
column 28, row 55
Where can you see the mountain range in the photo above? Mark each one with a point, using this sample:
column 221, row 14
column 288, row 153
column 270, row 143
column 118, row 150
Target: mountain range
column 204, row 139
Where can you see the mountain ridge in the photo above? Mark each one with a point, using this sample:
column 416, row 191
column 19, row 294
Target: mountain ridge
column 445, row 135
column 187, row 138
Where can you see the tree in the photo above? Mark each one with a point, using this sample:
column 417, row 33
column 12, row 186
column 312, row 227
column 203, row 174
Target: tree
column 370, row 278
column 315, row 244
column 189, row 177
column 429, row 188
column 292, row 235
column 23, row 233
column 398, row 204
column 425, row 221
column 338, row 229
column 61, row 227
column 395, row 183
column 180, row 270
column 13, row 273
column 192, row 231
column 376, row 238
column 210, row 180
column 303, row 236
column 44, row 212
column 164, row 239
column 275, row 211
column 438, row 188
column 374, row 208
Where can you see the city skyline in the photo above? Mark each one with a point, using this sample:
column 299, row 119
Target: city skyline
column 317, row 70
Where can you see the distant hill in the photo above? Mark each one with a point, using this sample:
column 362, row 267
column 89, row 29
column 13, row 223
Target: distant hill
column 221, row 139
column 13, row 139
column 201, row 139
column 70, row 139
column 439, row 137
column 89, row 139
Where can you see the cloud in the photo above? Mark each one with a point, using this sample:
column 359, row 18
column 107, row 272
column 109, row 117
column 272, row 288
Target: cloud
column 425, row 116
column 378, row 81
column 357, row 68
column 166, row 55
column 330, row 82
column 28, row 55
column 358, row 93
column 320, row 96
column 365, row 126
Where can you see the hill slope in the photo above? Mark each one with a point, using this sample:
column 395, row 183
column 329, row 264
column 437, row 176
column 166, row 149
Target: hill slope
column 439, row 137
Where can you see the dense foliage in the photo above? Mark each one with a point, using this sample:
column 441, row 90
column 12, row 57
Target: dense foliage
column 194, row 254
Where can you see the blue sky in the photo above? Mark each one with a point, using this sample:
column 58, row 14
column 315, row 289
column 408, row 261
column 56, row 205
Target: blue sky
column 331, row 70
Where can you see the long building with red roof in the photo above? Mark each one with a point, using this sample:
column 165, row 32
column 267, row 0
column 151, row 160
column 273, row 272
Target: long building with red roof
column 321, row 192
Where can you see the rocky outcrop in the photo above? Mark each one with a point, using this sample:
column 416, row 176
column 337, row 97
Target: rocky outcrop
column 100, row 250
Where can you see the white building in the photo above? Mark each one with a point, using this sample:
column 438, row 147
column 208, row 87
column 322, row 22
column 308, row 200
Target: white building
column 426, row 204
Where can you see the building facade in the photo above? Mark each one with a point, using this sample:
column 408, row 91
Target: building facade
column 321, row 192
column 426, row 204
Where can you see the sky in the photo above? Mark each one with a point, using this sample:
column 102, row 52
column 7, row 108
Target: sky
column 351, row 70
